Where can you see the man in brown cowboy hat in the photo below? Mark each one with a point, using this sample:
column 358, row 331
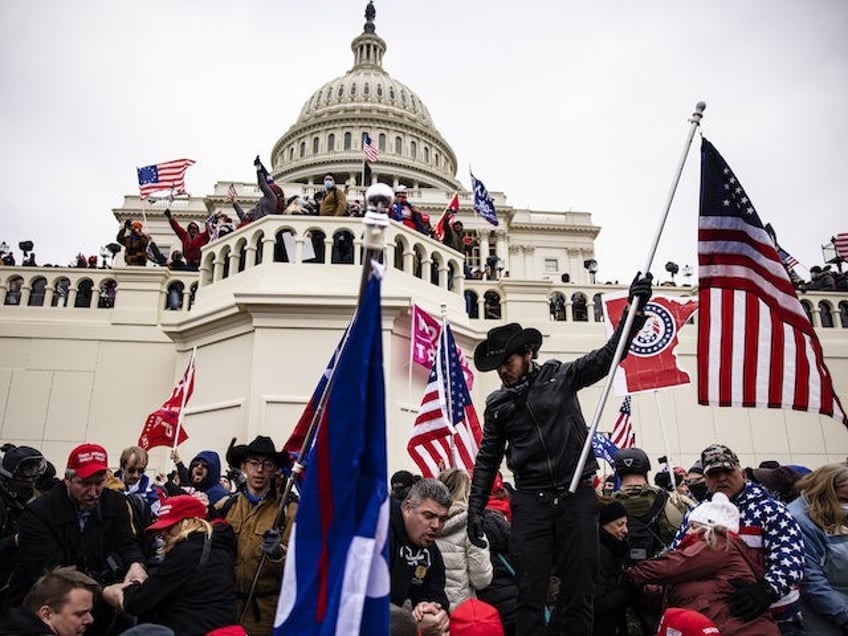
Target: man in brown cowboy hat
column 535, row 419
column 252, row 515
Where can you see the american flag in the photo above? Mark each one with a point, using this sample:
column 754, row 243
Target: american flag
column 439, row 442
column 163, row 176
column 232, row 193
column 756, row 346
column 622, row 431
column 372, row 153
column 840, row 242
column 786, row 258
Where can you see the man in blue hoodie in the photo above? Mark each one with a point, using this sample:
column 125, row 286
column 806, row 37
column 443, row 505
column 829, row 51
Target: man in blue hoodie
column 204, row 475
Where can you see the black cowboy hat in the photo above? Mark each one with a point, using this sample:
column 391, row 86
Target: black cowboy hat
column 262, row 446
column 502, row 342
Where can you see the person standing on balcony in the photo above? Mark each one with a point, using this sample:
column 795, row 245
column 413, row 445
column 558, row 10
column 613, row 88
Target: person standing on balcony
column 334, row 202
column 135, row 243
column 273, row 200
column 192, row 240
column 404, row 212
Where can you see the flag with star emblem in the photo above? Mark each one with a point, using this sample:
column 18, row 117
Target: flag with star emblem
column 336, row 577
column 446, row 433
column 169, row 175
column 756, row 346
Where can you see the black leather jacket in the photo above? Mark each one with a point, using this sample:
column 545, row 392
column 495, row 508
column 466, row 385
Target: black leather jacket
column 540, row 427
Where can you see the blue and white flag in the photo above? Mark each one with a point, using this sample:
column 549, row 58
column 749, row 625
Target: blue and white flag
column 604, row 448
column 336, row 578
column 483, row 204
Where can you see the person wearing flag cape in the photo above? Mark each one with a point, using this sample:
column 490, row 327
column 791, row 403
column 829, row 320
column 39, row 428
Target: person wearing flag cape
column 535, row 420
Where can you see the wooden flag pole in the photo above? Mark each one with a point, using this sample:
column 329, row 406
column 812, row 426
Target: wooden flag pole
column 694, row 122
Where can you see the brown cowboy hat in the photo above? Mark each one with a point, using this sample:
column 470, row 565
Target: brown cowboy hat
column 502, row 342
column 262, row 446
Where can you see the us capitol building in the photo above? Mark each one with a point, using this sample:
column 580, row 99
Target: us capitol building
column 86, row 355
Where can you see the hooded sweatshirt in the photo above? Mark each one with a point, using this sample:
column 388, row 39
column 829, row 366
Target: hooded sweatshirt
column 212, row 484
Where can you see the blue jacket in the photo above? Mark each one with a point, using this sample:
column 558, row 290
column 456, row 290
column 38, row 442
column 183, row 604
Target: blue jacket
column 824, row 591
column 212, row 484
column 765, row 524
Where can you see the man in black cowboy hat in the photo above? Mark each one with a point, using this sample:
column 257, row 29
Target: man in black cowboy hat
column 253, row 516
column 535, row 419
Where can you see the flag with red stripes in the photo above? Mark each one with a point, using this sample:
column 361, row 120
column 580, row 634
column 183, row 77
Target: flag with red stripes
column 453, row 208
column 622, row 431
column 169, row 175
column 840, row 242
column 756, row 346
column 369, row 147
column 447, row 432
column 164, row 426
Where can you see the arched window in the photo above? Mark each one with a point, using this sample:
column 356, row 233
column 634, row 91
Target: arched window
column 174, row 298
column 413, row 150
column 398, row 146
column 283, row 243
column 341, row 91
column 557, row 306
column 403, row 97
column 317, row 237
column 83, row 299
column 315, row 143
column 302, row 149
column 60, row 293
column 391, row 93
column 598, row 307
column 426, row 154
column 108, row 291
column 843, row 313
column 379, row 90
column 825, row 314
column 579, row 307
column 348, row 140
column 291, row 153
column 331, row 142
column 436, row 159
column 366, row 90
column 436, row 263
column 399, row 254
column 13, row 291
column 808, row 309
column 417, row 261
column 36, row 293
column 353, row 90
column 491, row 305
column 472, row 307
column 342, row 247
column 381, row 141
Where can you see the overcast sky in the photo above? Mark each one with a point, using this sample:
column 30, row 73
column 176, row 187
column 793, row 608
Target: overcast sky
column 558, row 104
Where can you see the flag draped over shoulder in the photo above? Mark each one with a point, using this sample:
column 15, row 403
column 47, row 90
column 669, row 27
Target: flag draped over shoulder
column 169, row 175
column 483, row 204
column 336, row 578
column 442, row 437
column 622, row 431
column 652, row 361
column 161, row 426
column 756, row 346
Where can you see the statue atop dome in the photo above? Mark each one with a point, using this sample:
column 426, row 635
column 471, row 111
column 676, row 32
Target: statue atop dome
column 370, row 14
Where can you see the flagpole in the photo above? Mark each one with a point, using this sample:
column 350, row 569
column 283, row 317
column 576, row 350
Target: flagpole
column 191, row 364
column 694, row 122
column 443, row 341
column 378, row 199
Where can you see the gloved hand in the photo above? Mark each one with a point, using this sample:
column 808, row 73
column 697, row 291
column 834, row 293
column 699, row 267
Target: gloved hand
column 167, row 213
column 476, row 534
column 641, row 288
column 257, row 162
column 271, row 544
column 750, row 599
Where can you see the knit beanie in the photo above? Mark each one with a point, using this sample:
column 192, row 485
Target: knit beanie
column 717, row 512
column 610, row 512
column 475, row 618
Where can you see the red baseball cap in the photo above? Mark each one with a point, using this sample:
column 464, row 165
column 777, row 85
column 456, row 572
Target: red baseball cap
column 684, row 622
column 88, row 459
column 175, row 509
column 475, row 618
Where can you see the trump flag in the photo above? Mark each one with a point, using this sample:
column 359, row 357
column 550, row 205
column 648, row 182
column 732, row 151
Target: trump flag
column 336, row 578
column 164, row 427
column 652, row 361
column 426, row 332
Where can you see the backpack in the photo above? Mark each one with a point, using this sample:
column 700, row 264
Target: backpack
column 643, row 536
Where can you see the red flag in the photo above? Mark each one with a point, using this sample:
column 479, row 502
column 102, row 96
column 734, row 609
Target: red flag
column 622, row 431
column 756, row 346
column 453, row 208
column 440, row 440
column 651, row 362
column 840, row 242
column 425, row 338
column 161, row 426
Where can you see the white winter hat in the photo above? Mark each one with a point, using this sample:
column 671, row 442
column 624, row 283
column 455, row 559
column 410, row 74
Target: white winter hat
column 717, row 512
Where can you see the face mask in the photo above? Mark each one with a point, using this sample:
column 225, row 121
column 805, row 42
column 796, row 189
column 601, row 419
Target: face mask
column 699, row 491
column 329, row 184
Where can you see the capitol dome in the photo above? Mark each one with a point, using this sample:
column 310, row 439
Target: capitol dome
column 327, row 136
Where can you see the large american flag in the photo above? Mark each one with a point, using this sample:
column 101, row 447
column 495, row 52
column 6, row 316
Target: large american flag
column 169, row 175
column 440, row 441
column 840, row 242
column 372, row 153
column 622, row 431
column 756, row 346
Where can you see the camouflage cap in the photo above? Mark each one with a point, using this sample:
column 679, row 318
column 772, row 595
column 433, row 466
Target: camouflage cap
column 718, row 456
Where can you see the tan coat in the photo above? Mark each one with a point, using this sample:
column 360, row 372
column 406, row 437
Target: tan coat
column 249, row 523
column 334, row 203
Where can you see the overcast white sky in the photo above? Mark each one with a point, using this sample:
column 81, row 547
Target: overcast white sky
column 557, row 103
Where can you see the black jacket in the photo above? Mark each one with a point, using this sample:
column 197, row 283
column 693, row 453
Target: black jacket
column 189, row 597
column 417, row 574
column 612, row 594
column 49, row 535
column 502, row 592
column 541, row 427
column 22, row 622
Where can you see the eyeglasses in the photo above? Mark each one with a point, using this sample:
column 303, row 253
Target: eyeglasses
column 256, row 464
